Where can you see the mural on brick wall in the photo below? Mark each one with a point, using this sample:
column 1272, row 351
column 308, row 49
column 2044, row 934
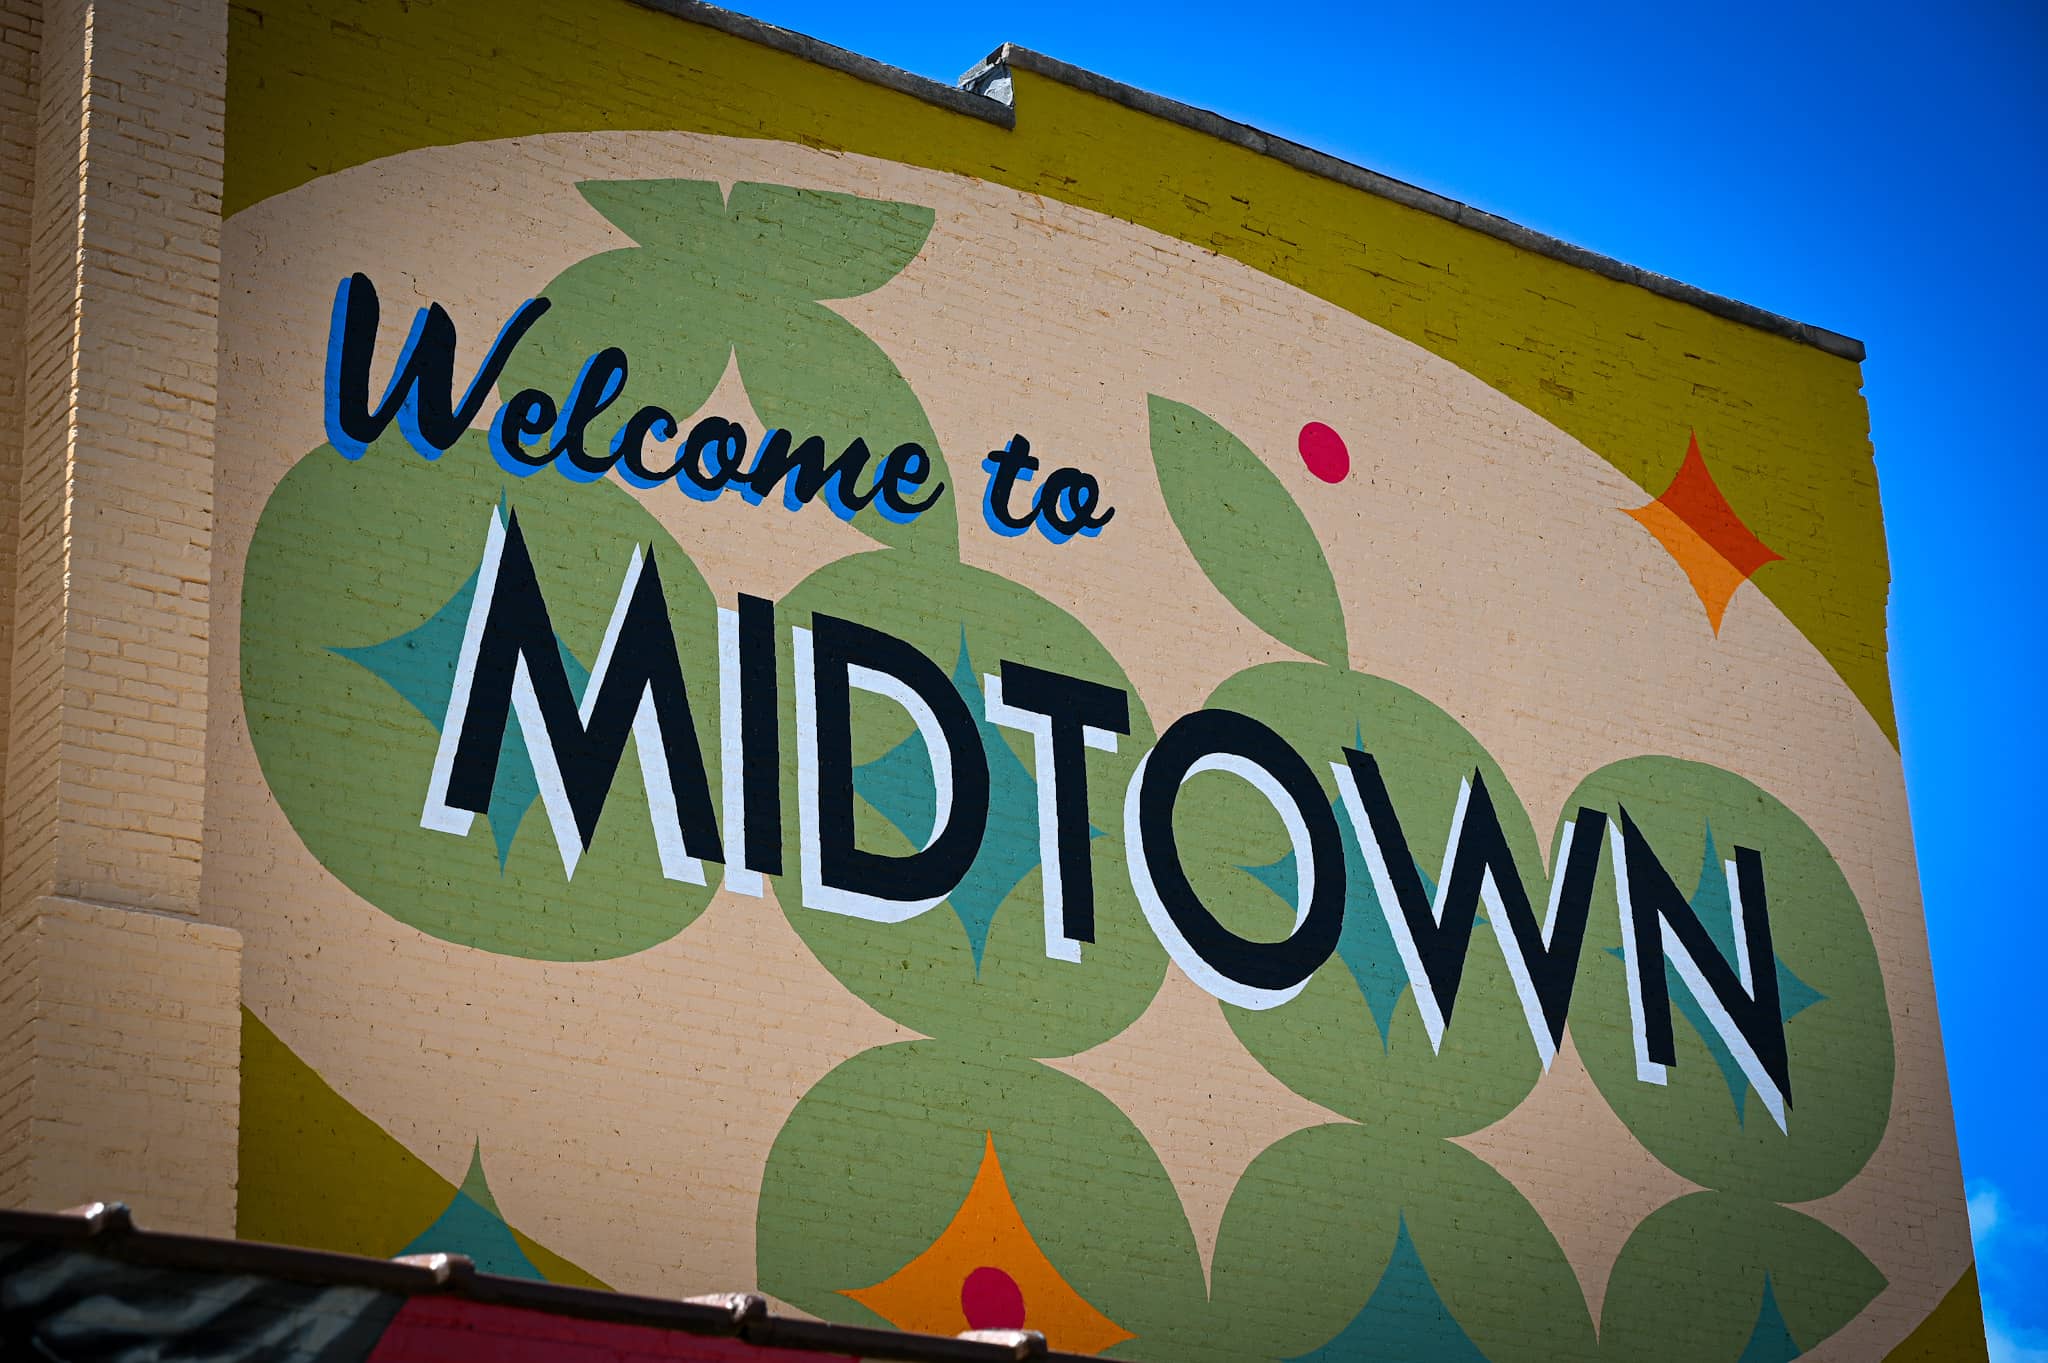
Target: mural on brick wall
column 818, row 726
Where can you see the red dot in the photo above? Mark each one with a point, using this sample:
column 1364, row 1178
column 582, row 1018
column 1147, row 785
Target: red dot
column 1322, row 449
column 991, row 1300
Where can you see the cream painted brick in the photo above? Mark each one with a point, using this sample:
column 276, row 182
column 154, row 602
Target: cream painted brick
column 20, row 43
column 109, row 284
column 128, row 280
column 136, row 1058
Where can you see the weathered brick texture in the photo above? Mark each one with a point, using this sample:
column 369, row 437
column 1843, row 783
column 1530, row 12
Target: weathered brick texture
column 111, row 425
column 20, row 34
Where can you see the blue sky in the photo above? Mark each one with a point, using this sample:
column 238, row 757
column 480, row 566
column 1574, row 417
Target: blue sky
column 1872, row 169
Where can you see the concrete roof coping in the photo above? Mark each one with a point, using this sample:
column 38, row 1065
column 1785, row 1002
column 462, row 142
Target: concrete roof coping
column 955, row 97
column 985, row 92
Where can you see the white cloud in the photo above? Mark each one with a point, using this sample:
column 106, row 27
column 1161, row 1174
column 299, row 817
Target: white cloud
column 2008, row 1257
column 2009, row 1345
column 1984, row 1214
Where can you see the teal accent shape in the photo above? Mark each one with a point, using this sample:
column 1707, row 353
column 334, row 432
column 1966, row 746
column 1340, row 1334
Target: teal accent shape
column 420, row 666
column 1365, row 944
column 900, row 785
column 1715, row 909
column 1405, row 1318
column 471, row 1225
column 1771, row 1341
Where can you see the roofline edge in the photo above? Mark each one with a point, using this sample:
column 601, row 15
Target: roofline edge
column 961, row 98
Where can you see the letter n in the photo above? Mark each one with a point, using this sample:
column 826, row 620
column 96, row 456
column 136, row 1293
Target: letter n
column 1740, row 1001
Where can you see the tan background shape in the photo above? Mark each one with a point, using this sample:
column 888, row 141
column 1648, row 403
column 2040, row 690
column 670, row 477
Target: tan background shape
column 1482, row 558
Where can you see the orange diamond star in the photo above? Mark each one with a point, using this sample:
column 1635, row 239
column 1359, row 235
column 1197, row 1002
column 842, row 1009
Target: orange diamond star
column 985, row 1272
column 1697, row 526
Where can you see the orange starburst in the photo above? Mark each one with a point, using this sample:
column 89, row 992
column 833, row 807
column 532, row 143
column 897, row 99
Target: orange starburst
column 986, row 1272
column 1697, row 527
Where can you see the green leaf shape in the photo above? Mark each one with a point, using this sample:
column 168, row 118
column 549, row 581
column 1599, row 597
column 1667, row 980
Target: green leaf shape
column 1839, row 1047
column 1311, row 1231
column 923, row 973
column 1690, row 1284
column 355, row 553
column 1491, row 1257
column 838, row 245
column 1308, row 1232
column 713, row 278
column 1246, row 532
column 807, row 243
column 1327, row 1044
column 878, row 1155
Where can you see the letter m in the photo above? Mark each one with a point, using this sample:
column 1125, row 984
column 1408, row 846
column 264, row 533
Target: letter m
column 511, row 665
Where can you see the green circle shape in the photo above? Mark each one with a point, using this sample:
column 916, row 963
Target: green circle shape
column 923, row 972
column 1839, row 1046
column 1702, row 1277
column 878, row 1156
column 1329, row 1043
column 353, row 556
column 1309, row 1261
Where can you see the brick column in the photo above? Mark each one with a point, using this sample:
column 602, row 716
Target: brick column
column 121, row 1003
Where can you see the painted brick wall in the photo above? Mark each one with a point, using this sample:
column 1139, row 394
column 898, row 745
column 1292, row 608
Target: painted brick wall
column 137, row 1054
column 20, row 33
column 106, row 789
column 111, row 429
column 235, row 954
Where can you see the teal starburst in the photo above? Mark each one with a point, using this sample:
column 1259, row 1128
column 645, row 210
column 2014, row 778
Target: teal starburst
column 1405, row 1318
column 1365, row 944
column 900, row 786
column 419, row 665
column 1714, row 907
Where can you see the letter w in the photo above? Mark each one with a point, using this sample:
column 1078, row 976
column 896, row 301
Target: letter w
column 421, row 397
column 1434, row 938
column 511, row 664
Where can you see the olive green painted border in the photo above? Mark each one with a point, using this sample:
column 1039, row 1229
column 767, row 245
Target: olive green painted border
column 1627, row 371
column 1952, row 1333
